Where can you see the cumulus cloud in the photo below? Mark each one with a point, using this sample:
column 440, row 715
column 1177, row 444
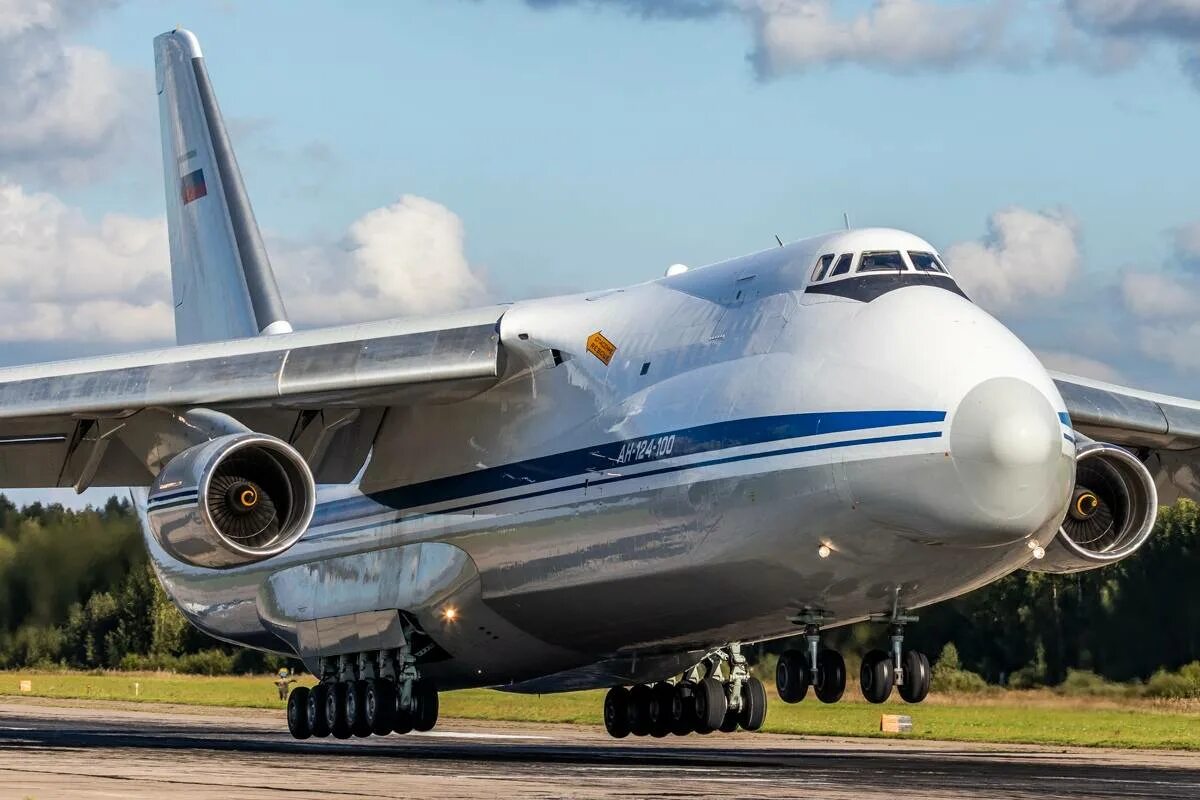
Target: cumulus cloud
column 1025, row 254
column 66, row 112
column 1075, row 364
column 892, row 35
column 668, row 9
column 1158, row 294
column 405, row 258
column 64, row 277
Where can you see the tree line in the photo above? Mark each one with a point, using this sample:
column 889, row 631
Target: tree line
column 76, row 590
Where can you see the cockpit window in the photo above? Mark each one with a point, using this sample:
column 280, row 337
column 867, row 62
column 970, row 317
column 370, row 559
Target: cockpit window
column 843, row 265
column 926, row 262
column 881, row 260
column 822, row 267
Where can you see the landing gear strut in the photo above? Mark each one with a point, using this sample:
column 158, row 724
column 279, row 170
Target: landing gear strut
column 719, row 693
column 821, row 668
column 907, row 670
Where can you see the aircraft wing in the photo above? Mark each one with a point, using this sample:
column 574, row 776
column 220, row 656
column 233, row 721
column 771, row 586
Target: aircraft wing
column 114, row 420
column 1163, row 430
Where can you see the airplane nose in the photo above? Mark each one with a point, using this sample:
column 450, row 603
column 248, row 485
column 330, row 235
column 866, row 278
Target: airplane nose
column 1007, row 449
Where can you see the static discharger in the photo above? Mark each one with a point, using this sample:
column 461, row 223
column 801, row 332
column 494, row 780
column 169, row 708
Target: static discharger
column 599, row 346
column 895, row 723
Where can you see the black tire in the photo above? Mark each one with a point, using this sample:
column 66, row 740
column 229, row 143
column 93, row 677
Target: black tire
column 710, row 705
column 297, row 713
column 791, row 676
column 335, row 710
column 661, row 720
column 379, row 705
column 616, row 712
column 425, row 715
column 754, row 705
column 640, row 699
column 831, row 676
column 683, row 709
column 317, row 724
column 875, row 677
column 916, row 677
column 402, row 718
column 362, row 727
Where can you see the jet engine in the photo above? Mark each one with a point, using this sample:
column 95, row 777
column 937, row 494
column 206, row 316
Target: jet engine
column 232, row 500
column 1112, row 512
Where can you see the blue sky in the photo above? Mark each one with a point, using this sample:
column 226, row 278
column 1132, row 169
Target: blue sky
column 556, row 145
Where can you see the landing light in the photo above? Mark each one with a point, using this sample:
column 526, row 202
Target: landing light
column 823, row 551
column 449, row 613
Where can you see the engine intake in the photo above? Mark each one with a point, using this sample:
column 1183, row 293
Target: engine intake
column 233, row 500
column 1111, row 515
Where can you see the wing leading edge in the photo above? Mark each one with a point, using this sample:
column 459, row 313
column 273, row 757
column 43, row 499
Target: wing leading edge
column 1163, row 430
column 59, row 422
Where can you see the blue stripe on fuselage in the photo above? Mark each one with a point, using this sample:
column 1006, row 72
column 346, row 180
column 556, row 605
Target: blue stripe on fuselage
column 643, row 450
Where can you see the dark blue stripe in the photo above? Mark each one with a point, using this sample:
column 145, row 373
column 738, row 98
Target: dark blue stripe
column 187, row 501
column 687, row 441
column 617, row 478
column 164, row 497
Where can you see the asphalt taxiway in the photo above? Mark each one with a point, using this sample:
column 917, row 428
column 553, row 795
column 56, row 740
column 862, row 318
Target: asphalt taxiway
column 94, row 750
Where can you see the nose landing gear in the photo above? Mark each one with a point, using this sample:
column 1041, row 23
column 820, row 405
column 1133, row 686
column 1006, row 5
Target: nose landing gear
column 906, row 670
column 821, row 668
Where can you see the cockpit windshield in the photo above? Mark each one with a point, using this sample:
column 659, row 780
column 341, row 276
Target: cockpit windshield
column 926, row 262
column 881, row 260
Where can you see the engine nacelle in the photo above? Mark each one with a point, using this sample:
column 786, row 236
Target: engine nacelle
column 233, row 500
column 1112, row 511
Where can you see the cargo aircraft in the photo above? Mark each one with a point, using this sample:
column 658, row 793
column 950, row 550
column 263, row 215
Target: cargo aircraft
column 617, row 489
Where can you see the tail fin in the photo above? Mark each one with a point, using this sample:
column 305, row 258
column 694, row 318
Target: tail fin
column 222, row 280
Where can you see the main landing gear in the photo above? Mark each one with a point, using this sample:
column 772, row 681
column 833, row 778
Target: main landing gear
column 719, row 693
column 825, row 671
column 364, row 695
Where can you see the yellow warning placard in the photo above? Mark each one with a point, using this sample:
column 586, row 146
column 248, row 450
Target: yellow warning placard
column 599, row 346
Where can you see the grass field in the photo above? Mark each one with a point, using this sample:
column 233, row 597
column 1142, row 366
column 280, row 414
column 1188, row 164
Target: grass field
column 1021, row 717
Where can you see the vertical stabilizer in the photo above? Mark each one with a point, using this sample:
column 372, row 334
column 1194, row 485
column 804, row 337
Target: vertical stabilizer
column 222, row 280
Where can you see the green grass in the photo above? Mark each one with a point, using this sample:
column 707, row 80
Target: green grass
column 1018, row 717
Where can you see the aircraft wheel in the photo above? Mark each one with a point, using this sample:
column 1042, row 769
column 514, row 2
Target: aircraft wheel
column 916, row 677
column 426, row 714
column 683, row 708
column 315, row 713
column 876, row 676
column 297, row 713
column 831, row 676
column 402, row 718
column 378, row 705
column 616, row 712
column 362, row 720
column 710, row 705
column 791, row 676
column 640, row 699
column 754, row 705
column 661, row 718
column 335, row 710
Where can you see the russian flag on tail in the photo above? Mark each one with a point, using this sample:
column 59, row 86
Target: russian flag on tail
column 193, row 186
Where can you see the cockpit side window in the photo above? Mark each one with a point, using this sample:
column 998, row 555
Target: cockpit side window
column 926, row 262
column 843, row 265
column 822, row 267
column 881, row 260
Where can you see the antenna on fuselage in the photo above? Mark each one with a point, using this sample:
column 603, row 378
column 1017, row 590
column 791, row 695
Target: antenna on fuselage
column 846, row 219
column 777, row 239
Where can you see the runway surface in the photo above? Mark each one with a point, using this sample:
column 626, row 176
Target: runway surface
column 94, row 750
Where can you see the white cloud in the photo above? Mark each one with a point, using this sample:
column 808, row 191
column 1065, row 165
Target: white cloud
column 66, row 112
column 403, row 259
column 1187, row 243
column 64, row 277
column 1173, row 344
column 1026, row 254
column 1075, row 364
column 894, row 35
column 1155, row 294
